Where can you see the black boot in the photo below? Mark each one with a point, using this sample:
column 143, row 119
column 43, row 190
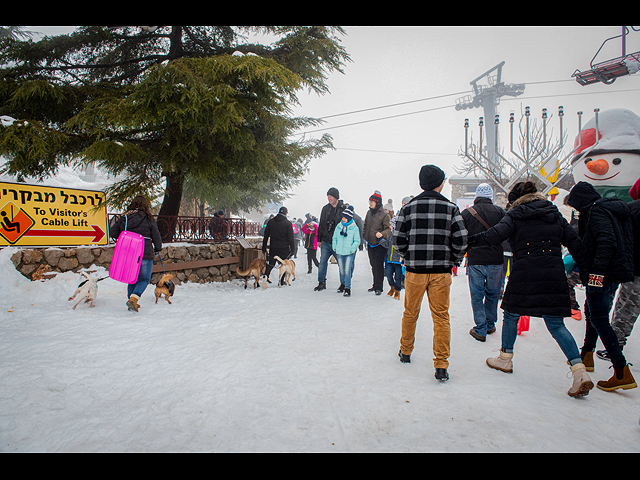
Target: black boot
column 321, row 286
column 404, row 358
column 441, row 374
column 347, row 292
column 341, row 288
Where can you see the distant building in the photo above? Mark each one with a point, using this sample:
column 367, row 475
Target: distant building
column 463, row 190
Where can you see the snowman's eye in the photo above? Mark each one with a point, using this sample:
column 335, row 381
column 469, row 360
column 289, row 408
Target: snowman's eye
column 616, row 161
column 587, row 160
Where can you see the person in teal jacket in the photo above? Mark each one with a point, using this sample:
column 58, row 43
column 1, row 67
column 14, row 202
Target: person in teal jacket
column 346, row 240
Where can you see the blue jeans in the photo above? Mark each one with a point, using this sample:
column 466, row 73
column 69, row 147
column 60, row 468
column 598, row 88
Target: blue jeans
column 485, row 284
column 326, row 251
column 556, row 328
column 596, row 308
column 394, row 275
column 345, row 263
column 144, row 277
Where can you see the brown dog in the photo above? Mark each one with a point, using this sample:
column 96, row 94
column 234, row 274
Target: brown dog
column 165, row 287
column 256, row 269
column 287, row 270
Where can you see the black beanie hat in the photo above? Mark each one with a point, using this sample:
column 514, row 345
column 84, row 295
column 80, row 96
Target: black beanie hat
column 333, row 191
column 430, row 177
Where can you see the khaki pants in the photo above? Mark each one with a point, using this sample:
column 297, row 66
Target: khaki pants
column 437, row 286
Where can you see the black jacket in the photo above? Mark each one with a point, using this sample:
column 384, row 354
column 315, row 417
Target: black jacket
column 492, row 214
column 536, row 231
column 329, row 218
column 280, row 231
column 606, row 230
column 139, row 223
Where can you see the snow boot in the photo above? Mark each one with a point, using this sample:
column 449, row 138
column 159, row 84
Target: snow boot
column 441, row 374
column 622, row 378
column 132, row 303
column 587, row 360
column 404, row 358
column 581, row 381
column 502, row 362
column 392, row 291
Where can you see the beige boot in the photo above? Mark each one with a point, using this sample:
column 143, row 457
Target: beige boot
column 396, row 294
column 502, row 362
column 581, row 381
column 132, row 303
column 391, row 292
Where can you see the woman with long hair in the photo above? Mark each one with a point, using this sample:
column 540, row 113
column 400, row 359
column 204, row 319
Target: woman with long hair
column 536, row 231
column 139, row 219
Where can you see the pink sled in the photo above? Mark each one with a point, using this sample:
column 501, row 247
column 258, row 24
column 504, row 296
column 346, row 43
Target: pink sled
column 127, row 257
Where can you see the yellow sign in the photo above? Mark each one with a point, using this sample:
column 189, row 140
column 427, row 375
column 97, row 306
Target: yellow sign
column 31, row 215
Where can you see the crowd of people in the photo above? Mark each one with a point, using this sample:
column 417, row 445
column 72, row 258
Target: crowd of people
column 528, row 254
column 518, row 254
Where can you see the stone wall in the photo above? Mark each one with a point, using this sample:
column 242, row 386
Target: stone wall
column 33, row 263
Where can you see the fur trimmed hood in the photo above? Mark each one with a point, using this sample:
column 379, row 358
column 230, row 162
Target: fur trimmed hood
column 534, row 205
column 529, row 197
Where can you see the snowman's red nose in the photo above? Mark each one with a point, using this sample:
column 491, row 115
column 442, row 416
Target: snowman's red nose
column 598, row 167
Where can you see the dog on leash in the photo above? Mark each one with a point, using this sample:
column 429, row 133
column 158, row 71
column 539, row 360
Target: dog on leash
column 165, row 287
column 87, row 291
column 256, row 269
column 287, row 271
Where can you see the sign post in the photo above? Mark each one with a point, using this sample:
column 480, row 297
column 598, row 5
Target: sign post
column 33, row 215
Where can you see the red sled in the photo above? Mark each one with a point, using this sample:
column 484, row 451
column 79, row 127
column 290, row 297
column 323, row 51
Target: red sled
column 523, row 324
column 127, row 257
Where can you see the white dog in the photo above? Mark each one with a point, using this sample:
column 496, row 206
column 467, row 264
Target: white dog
column 87, row 291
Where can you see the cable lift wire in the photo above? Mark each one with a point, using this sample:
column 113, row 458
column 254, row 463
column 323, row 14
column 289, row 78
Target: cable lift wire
column 446, row 106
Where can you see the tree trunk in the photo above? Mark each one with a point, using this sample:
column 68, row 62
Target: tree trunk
column 170, row 205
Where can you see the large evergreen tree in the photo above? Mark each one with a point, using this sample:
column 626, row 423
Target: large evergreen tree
column 174, row 102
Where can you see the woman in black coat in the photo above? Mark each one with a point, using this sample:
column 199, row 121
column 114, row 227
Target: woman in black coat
column 607, row 233
column 139, row 219
column 537, row 287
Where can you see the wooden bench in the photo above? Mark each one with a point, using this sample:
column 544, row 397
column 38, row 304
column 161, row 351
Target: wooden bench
column 193, row 265
column 172, row 266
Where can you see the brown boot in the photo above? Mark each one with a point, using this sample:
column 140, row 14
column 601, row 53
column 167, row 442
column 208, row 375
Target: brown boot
column 132, row 303
column 587, row 360
column 391, row 292
column 622, row 378
column 396, row 294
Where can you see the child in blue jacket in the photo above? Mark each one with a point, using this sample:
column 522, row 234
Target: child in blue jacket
column 346, row 240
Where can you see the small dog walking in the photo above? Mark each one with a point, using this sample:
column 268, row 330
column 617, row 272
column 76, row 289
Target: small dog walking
column 87, row 291
column 256, row 269
column 165, row 287
column 287, row 271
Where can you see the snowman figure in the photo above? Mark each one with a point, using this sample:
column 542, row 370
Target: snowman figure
column 609, row 159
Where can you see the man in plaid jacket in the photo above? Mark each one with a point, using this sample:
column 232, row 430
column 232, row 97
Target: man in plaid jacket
column 431, row 236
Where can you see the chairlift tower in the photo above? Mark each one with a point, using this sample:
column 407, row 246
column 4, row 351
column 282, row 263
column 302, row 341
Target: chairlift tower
column 488, row 97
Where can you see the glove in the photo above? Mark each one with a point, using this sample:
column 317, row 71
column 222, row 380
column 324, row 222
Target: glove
column 471, row 241
column 595, row 280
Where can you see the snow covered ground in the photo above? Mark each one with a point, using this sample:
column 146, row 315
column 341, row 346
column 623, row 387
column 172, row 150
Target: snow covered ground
column 287, row 369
